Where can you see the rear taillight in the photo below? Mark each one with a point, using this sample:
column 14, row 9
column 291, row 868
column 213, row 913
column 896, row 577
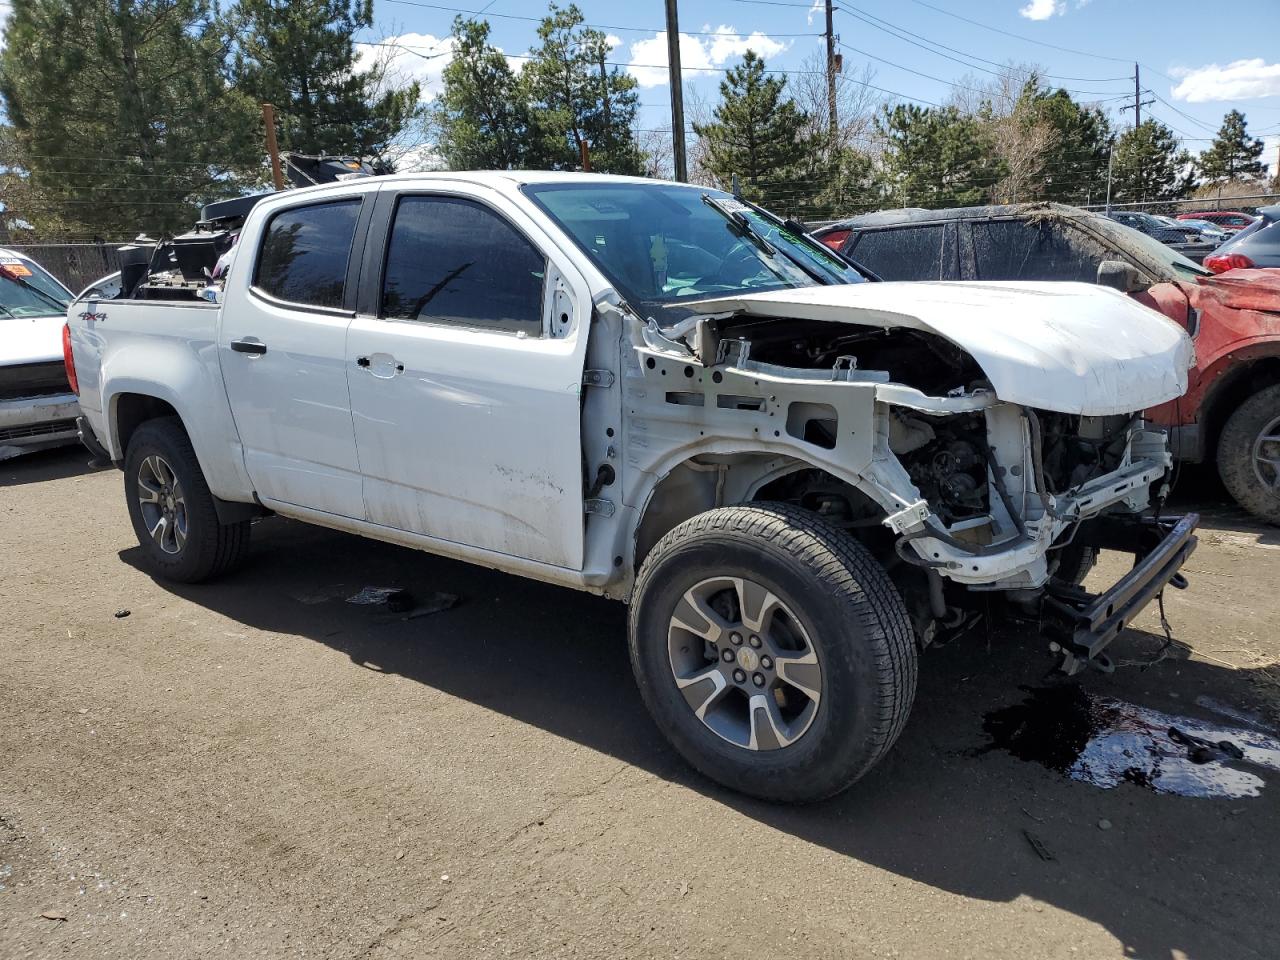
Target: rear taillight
column 1222, row 262
column 836, row 238
column 69, row 360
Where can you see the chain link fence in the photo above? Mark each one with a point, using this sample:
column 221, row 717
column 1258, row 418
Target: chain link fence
column 1171, row 208
column 76, row 264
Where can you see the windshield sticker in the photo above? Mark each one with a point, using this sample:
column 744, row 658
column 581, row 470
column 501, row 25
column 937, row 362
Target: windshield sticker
column 14, row 268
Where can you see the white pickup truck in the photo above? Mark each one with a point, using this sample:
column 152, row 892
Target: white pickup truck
column 797, row 477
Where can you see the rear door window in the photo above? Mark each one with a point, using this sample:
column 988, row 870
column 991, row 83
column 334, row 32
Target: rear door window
column 455, row 261
column 305, row 253
column 1033, row 250
column 907, row 253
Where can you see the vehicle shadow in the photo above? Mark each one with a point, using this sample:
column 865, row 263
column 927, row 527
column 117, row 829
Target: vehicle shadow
column 1173, row 877
column 1199, row 488
column 58, row 463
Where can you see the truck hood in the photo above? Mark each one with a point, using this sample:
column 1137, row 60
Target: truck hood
column 30, row 339
column 1068, row 347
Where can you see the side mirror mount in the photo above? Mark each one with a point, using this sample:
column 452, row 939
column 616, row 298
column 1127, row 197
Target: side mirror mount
column 1120, row 276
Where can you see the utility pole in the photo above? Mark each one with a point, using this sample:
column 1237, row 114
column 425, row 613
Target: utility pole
column 273, row 151
column 1137, row 97
column 1111, row 152
column 832, row 121
column 1138, row 102
column 677, row 92
column 604, row 95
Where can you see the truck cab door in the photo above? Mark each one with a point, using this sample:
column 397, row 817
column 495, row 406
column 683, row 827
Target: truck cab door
column 282, row 349
column 465, row 361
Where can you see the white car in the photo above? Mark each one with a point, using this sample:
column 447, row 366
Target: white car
column 37, row 406
column 799, row 479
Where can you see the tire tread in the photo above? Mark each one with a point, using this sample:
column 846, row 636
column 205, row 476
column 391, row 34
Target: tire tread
column 842, row 566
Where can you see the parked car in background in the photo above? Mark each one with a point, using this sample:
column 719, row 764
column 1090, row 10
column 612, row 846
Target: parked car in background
column 1186, row 240
column 1210, row 231
column 37, row 406
column 1229, row 220
column 658, row 392
column 1257, row 245
column 1230, row 414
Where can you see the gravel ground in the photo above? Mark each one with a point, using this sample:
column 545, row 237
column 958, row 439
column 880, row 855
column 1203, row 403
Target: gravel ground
column 257, row 768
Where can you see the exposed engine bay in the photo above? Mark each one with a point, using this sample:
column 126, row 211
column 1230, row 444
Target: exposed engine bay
column 922, row 360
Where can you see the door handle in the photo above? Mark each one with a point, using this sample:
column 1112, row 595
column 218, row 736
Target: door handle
column 249, row 346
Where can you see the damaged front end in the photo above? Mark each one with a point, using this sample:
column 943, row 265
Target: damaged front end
column 965, row 479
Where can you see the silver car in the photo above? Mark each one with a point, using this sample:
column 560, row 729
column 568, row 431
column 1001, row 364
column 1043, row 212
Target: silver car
column 37, row 406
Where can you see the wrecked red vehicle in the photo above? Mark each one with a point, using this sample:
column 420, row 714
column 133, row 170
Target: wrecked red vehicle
column 1231, row 411
column 1230, row 414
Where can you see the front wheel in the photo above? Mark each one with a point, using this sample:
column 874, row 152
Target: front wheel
column 1249, row 454
column 772, row 650
column 172, row 510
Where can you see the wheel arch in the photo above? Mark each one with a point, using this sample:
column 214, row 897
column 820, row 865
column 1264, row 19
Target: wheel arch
column 1242, row 374
column 129, row 411
column 710, row 478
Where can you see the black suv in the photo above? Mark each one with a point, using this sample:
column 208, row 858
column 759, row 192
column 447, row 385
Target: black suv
column 1030, row 241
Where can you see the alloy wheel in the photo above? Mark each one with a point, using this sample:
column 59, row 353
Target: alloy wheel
column 744, row 663
column 1266, row 456
column 164, row 508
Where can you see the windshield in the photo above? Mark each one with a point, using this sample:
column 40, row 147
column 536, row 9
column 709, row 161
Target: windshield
column 662, row 245
column 26, row 290
column 1149, row 249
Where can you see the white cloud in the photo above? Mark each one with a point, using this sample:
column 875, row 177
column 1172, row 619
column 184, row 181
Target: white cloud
column 422, row 158
column 408, row 57
column 1042, row 9
column 699, row 55
column 1239, row 80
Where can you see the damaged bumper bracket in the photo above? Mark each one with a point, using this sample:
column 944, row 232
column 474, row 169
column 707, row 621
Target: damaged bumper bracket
column 1093, row 621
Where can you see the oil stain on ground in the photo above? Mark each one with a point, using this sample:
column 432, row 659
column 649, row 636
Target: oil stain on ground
column 1106, row 742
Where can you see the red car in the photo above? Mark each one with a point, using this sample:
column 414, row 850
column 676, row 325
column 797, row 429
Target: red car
column 1230, row 413
column 1229, row 220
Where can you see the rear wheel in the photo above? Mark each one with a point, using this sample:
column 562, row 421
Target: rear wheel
column 172, row 510
column 1249, row 454
column 772, row 650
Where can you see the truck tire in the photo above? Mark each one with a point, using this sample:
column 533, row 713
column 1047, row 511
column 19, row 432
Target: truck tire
column 172, row 509
column 1249, row 454
column 1074, row 563
column 772, row 650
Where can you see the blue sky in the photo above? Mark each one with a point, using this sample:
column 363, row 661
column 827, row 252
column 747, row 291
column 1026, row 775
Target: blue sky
column 1199, row 63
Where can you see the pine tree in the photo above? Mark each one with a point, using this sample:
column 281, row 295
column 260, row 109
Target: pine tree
column 1075, row 166
column 938, row 157
column 578, row 99
column 482, row 116
column 1148, row 165
column 121, row 117
column 300, row 56
column 757, row 134
column 1233, row 155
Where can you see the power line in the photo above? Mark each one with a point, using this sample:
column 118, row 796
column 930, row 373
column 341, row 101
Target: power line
column 1042, row 43
column 594, row 26
column 896, row 31
column 1180, row 113
column 663, row 66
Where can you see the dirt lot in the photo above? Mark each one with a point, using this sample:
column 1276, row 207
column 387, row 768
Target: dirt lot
column 258, row 768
